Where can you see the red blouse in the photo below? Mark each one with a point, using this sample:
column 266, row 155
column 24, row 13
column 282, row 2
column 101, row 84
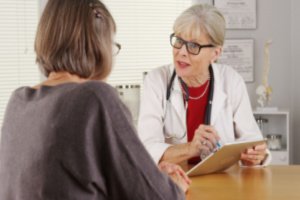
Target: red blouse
column 196, row 112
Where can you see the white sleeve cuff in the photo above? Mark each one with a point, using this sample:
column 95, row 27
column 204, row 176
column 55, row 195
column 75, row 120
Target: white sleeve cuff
column 268, row 159
column 157, row 150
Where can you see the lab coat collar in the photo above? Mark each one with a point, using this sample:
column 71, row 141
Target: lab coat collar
column 176, row 99
column 219, row 97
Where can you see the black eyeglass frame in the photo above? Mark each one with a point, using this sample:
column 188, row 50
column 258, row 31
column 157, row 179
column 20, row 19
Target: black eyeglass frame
column 186, row 44
column 118, row 47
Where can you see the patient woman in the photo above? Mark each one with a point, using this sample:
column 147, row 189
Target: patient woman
column 70, row 137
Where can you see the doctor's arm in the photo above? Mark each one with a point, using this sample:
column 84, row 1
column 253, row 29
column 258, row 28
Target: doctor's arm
column 151, row 122
column 205, row 139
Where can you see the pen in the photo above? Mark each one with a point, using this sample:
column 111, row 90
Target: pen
column 218, row 147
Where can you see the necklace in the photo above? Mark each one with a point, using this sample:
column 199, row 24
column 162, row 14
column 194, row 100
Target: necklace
column 194, row 98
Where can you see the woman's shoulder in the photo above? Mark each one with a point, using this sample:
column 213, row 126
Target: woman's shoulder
column 102, row 95
column 226, row 73
column 160, row 75
column 100, row 89
column 162, row 70
column 225, row 69
column 98, row 86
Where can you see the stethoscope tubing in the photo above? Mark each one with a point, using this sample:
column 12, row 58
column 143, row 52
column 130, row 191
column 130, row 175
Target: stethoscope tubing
column 207, row 119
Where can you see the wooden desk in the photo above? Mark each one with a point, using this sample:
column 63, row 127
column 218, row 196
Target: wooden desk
column 270, row 183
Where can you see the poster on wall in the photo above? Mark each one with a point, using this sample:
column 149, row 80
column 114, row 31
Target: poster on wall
column 238, row 53
column 239, row 14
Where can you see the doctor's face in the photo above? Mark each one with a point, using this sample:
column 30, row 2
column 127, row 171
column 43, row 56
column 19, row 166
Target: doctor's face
column 188, row 60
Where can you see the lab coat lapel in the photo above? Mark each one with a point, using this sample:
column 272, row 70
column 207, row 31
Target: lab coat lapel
column 219, row 97
column 177, row 102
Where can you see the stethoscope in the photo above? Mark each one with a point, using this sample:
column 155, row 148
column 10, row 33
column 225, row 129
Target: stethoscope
column 207, row 118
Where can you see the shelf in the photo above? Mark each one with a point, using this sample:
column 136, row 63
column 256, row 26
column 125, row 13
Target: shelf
column 280, row 112
column 280, row 157
column 276, row 123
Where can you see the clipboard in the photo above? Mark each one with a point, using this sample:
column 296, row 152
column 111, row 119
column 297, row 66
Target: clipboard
column 223, row 158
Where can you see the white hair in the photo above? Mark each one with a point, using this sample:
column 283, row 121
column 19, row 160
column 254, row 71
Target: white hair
column 202, row 18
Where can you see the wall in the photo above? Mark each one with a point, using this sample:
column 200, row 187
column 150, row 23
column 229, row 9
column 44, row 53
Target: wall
column 295, row 50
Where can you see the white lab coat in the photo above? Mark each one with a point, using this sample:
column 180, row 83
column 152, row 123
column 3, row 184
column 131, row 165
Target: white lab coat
column 231, row 114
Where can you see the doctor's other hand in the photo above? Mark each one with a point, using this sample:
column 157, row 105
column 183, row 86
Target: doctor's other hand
column 205, row 140
column 176, row 173
column 254, row 156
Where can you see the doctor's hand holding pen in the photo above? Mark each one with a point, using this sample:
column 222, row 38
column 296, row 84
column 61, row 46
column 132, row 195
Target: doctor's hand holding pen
column 205, row 141
column 254, row 156
column 176, row 173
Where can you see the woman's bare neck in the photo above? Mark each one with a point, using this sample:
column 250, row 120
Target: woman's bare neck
column 57, row 78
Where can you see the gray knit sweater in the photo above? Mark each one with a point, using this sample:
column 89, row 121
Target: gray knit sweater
column 75, row 142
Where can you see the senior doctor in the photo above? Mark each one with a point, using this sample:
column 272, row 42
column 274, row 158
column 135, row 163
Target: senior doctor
column 189, row 107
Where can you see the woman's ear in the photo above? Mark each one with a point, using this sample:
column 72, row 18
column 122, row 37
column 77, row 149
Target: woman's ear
column 216, row 54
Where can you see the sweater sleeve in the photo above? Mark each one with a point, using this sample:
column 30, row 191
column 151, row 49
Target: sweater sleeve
column 129, row 170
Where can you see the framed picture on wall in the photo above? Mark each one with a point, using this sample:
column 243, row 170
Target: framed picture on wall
column 239, row 14
column 239, row 54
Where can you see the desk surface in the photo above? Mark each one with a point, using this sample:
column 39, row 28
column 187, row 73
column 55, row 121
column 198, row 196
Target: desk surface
column 238, row 183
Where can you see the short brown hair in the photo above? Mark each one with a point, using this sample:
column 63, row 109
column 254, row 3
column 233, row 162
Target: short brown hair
column 75, row 36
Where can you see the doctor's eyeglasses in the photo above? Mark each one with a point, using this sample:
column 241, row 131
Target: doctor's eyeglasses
column 191, row 47
column 116, row 48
